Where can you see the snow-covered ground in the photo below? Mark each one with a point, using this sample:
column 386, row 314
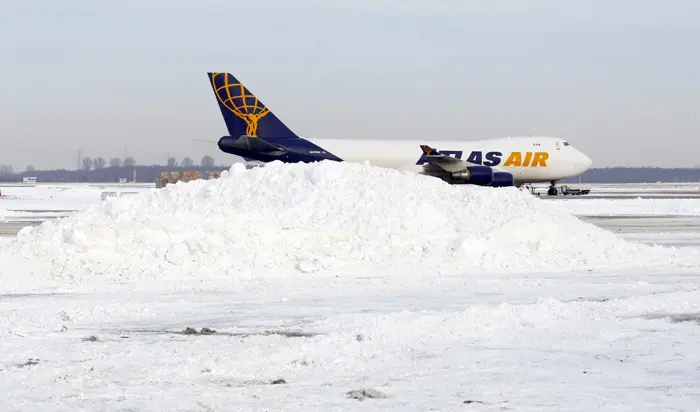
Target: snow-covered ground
column 56, row 200
column 630, row 207
column 341, row 277
column 624, row 341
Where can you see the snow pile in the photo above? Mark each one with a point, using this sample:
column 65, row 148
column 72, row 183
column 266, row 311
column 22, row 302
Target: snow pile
column 338, row 218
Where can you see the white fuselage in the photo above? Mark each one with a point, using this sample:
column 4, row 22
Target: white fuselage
column 528, row 159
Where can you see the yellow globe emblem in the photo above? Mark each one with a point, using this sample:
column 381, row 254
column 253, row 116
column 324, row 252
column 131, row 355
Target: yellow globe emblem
column 234, row 96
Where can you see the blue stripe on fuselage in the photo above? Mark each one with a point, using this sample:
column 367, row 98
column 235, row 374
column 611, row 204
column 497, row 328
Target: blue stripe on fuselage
column 293, row 150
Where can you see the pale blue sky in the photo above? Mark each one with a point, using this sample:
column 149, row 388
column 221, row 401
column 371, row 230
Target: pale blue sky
column 619, row 78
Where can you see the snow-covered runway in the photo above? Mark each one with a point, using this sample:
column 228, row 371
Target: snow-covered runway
column 320, row 280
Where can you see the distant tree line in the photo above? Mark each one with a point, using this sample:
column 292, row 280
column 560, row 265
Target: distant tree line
column 99, row 170
column 637, row 175
column 88, row 163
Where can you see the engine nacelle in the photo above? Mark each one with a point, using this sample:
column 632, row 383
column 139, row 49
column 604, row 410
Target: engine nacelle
column 485, row 176
column 476, row 175
column 502, row 179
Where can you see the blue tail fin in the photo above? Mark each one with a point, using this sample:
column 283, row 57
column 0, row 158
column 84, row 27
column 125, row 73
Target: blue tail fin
column 243, row 112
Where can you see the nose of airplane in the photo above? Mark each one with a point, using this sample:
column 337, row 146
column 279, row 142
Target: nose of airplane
column 584, row 162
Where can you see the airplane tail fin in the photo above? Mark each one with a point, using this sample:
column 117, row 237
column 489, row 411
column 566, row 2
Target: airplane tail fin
column 243, row 112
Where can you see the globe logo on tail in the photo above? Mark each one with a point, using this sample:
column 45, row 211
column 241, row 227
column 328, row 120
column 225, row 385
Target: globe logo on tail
column 239, row 101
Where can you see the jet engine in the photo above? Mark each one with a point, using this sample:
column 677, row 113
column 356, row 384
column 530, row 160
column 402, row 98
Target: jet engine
column 484, row 176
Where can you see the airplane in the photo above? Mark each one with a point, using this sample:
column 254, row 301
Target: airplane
column 255, row 133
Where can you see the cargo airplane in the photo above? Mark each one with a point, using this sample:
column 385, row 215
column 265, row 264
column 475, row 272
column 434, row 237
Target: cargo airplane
column 255, row 133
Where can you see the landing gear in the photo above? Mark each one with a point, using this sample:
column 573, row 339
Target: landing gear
column 552, row 189
column 529, row 188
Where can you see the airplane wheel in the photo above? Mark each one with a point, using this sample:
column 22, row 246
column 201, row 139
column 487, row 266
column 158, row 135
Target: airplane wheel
column 552, row 191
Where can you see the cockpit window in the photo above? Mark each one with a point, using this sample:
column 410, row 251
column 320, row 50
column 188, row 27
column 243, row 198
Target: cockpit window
column 566, row 143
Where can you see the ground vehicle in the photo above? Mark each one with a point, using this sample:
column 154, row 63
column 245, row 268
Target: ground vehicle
column 563, row 190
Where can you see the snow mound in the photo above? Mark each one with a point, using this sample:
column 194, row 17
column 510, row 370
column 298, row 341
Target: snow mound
column 345, row 219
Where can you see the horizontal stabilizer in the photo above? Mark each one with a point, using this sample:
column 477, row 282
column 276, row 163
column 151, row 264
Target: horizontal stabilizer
column 256, row 144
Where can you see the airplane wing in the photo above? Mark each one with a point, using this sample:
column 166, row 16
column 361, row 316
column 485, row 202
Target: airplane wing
column 445, row 162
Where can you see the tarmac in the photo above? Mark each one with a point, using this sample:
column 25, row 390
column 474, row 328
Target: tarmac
column 646, row 195
column 9, row 229
column 645, row 224
column 676, row 193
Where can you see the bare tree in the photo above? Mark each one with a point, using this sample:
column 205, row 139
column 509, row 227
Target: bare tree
column 6, row 171
column 87, row 163
column 187, row 162
column 115, row 162
column 30, row 168
column 172, row 162
column 129, row 162
column 207, row 161
column 99, row 163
